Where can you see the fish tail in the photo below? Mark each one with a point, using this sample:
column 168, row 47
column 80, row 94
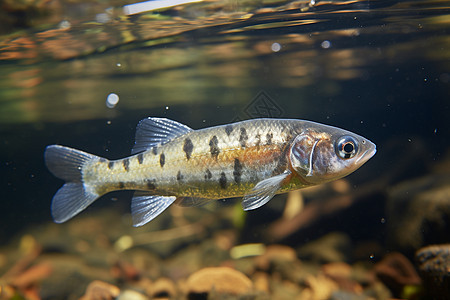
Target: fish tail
column 75, row 195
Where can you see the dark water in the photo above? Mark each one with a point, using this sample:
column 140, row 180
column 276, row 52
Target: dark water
column 378, row 68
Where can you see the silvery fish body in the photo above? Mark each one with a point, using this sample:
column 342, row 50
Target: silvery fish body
column 171, row 163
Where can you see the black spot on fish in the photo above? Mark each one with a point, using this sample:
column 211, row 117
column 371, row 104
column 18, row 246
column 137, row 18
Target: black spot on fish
column 258, row 139
column 179, row 176
column 243, row 137
column 214, row 147
column 151, row 184
column 237, row 171
column 154, row 150
column 208, row 174
column 162, row 160
column 188, row 147
column 228, row 129
column 126, row 164
column 269, row 137
column 111, row 165
column 121, row 185
column 223, row 180
column 140, row 158
column 103, row 160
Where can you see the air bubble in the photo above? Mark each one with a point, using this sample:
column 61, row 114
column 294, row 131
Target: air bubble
column 112, row 100
column 275, row 47
column 325, row 44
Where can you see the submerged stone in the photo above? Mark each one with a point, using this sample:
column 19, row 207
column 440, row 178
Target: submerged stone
column 434, row 266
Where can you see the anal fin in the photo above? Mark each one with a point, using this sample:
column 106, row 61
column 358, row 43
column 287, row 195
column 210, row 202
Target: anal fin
column 263, row 191
column 145, row 207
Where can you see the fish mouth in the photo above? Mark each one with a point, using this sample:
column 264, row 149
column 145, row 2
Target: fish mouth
column 367, row 154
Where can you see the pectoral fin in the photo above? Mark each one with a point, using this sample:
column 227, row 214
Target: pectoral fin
column 145, row 207
column 264, row 191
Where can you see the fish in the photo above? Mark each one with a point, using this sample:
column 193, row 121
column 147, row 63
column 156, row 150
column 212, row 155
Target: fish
column 172, row 163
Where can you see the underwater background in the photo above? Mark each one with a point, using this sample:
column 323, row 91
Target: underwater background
column 83, row 74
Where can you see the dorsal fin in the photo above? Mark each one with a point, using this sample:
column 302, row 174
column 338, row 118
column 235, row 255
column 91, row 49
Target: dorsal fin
column 152, row 132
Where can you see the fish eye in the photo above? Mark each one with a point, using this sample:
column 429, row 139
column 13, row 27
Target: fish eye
column 346, row 147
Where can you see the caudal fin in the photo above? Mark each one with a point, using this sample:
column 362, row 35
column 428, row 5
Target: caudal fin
column 74, row 196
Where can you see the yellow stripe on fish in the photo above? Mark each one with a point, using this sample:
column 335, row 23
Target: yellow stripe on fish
column 171, row 162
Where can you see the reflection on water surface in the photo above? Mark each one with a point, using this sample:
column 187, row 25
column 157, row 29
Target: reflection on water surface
column 214, row 52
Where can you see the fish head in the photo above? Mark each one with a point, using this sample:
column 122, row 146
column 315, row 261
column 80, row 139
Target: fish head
column 325, row 153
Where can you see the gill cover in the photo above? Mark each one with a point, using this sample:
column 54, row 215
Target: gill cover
column 302, row 154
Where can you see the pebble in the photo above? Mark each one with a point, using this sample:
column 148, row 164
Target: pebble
column 343, row 295
column 164, row 288
column 100, row 290
column 319, row 287
column 261, row 282
column 275, row 253
column 131, row 295
column 341, row 273
column 434, row 267
column 222, row 280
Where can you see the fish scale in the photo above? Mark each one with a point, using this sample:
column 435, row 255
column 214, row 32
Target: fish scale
column 259, row 158
column 255, row 159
